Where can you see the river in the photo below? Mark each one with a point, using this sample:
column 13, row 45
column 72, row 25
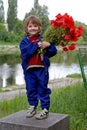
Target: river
column 14, row 74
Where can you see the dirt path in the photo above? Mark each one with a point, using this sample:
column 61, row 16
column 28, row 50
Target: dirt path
column 11, row 94
column 63, row 82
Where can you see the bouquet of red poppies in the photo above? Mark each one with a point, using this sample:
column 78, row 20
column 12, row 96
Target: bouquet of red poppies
column 63, row 31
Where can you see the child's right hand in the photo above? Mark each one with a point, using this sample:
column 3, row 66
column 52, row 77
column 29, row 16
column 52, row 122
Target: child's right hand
column 39, row 44
column 43, row 44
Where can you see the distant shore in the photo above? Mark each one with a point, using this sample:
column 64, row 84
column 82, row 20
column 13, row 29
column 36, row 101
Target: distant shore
column 15, row 48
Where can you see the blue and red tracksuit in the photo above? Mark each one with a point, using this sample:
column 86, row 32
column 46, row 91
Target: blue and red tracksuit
column 36, row 79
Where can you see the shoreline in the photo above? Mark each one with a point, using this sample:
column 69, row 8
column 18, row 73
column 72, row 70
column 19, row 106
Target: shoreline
column 15, row 48
column 18, row 90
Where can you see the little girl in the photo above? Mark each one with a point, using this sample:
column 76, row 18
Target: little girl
column 35, row 67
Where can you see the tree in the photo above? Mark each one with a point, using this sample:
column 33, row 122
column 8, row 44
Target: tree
column 1, row 12
column 83, row 39
column 3, row 32
column 18, row 28
column 41, row 12
column 12, row 14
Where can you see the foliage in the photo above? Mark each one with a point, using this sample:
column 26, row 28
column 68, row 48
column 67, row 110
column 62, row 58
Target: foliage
column 63, row 31
column 18, row 27
column 1, row 12
column 8, row 37
column 41, row 12
column 75, row 75
column 11, row 37
column 2, row 32
column 84, row 31
column 12, row 14
column 6, row 58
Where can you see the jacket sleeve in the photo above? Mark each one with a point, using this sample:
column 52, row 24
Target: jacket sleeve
column 27, row 48
column 51, row 50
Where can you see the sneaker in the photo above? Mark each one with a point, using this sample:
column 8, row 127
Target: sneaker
column 31, row 111
column 42, row 115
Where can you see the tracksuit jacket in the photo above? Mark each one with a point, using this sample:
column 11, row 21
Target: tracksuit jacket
column 36, row 79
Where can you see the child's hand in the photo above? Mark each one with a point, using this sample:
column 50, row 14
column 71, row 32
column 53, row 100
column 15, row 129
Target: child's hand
column 44, row 44
column 39, row 44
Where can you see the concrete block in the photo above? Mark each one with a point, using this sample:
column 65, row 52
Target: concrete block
column 18, row 121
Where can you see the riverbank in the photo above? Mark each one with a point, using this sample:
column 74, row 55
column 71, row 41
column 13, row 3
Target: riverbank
column 63, row 82
column 8, row 49
column 15, row 48
column 10, row 93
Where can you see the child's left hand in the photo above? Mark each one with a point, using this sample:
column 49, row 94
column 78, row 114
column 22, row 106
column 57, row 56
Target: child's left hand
column 44, row 44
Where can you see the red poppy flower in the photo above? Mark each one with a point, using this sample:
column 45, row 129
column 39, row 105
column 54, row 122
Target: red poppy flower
column 72, row 46
column 63, row 32
column 65, row 49
column 62, row 44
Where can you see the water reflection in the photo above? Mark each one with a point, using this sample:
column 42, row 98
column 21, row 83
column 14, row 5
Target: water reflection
column 5, row 73
column 62, row 70
column 11, row 75
column 18, row 75
column 14, row 74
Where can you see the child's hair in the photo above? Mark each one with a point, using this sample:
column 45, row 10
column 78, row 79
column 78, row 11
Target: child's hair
column 34, row 20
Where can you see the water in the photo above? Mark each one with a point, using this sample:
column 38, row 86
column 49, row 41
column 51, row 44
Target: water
column 11, row 72
column 10, row 75
column 62, row 70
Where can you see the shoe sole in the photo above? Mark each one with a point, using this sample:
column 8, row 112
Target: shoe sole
column 30, row 115
column 38, row 118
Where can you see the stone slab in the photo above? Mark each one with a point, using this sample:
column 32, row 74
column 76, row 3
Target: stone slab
column 18, row 121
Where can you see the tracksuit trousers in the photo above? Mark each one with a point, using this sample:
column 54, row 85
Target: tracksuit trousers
column 36, row 87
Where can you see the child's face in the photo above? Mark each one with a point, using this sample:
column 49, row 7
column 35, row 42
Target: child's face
column 33, row 29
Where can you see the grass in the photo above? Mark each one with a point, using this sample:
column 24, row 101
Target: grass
column 71, row 100
column 75, row 75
